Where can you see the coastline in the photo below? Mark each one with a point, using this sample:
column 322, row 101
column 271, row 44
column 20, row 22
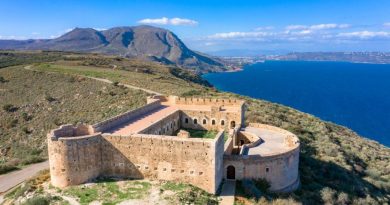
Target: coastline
column 365, row 135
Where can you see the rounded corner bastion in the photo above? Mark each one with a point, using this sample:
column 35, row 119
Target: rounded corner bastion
column 147, row 143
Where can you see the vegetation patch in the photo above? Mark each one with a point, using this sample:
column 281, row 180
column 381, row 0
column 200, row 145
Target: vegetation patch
column 207, row 134
column 188, row 194
column 109, row 191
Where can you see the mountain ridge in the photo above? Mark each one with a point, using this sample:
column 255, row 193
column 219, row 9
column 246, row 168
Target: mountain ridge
column 143, row 42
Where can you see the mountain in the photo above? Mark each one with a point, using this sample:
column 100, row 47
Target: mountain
column 143, row 42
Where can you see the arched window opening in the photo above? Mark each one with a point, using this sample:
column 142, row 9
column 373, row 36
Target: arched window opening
column 186, row 120
column 232, row 124
column 222, row 122
column 204, row 121
column 242, row 142
column 213, row 122
column 195, row 121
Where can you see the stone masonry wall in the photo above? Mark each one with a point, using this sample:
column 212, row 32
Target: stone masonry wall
column 74, row 160
column 282, row 169
column 191, row 160
column 125, row 117
column 215, row 120
column 166, row 126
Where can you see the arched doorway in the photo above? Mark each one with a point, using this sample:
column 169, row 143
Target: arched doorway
column 230, row 172
column 232, row 124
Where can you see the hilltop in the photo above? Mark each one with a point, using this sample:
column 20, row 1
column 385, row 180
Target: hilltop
column 142, row 42
column 337, row 166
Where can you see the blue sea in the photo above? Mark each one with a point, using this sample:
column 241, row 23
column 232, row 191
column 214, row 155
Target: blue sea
column 355, row 95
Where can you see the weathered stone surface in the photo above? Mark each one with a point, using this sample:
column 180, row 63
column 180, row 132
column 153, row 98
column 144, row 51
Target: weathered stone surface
column 139, row 144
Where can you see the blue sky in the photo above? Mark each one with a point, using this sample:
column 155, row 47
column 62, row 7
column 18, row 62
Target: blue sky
column 299, row 25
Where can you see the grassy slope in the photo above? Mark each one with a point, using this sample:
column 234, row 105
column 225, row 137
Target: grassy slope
column 337, row 166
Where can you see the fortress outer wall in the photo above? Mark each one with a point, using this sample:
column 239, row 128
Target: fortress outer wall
column 73, row 159
column 190, row 160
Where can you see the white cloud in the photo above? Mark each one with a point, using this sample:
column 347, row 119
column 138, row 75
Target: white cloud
column 264, row 28
column 317, row 26
column 296, row 27
column 35, row 33
column 365, row 34
column 387, row 24
column 167, row 21
column 231, row 35
column 305, row 32
column 179, row 21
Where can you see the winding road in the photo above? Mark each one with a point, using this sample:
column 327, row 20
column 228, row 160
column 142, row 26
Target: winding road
column 10, row 180
column 110, row 82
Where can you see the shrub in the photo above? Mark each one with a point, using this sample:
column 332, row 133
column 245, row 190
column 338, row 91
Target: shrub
column 191, row 93
column 38, row 200
column 26, row 116
column 196, row 196
column 2, row 80
column 57, row 122
column 262, row 185
column 4, row 168
column 327, row 195
column 112, row 93
column 343, row 199
column 26, row 130
column 9, row 108
column 49, row 98
column 13, row 123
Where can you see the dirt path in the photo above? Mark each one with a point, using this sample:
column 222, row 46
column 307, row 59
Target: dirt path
column 10, row 180
column 227, row 193
column 110, row 82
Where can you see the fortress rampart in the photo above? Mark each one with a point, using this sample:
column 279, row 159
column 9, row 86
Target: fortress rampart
column 78, row 159
column 279, row 167
column 75, row 155
column 190, row 160
column 174, row 100
column 142, row 143
column 125, row 117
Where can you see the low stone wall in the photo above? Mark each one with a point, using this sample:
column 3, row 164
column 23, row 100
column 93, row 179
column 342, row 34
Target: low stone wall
column 125, row 117
column 165, row 126
column 253, row 141
column 70, row 131
column 290, row 139
column 228, row 148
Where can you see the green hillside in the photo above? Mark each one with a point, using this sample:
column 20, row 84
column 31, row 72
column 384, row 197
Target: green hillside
column 336, row 167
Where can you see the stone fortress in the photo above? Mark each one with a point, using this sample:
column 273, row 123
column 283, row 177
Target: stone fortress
column 151, row 142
